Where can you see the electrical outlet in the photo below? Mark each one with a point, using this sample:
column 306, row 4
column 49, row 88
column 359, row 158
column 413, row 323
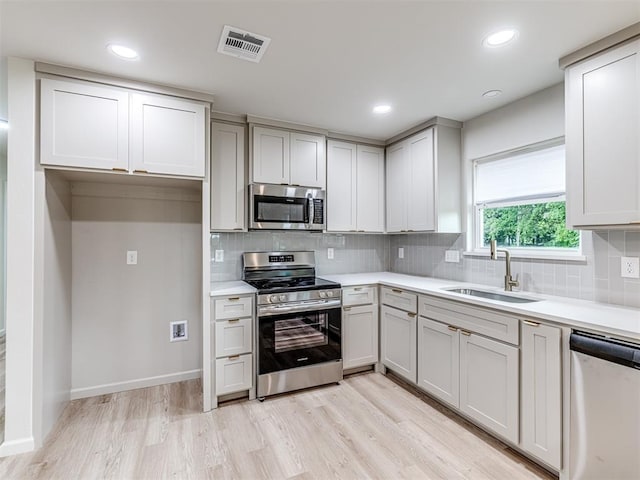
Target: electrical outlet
column 630, row 267
column 219, row 256
column 452, row 256
column 132, row 257
column 400, row 252
column 178, row 331
column 330, row 253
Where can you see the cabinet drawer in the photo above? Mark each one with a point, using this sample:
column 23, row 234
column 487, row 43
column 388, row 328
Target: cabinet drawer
column 233, row 307
column 364, row 295
column 233, row 337
column 234, row 374
column 398, row 298
column 485, row 322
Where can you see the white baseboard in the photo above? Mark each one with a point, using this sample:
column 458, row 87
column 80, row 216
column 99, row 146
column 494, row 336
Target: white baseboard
column 14, row 447
column 85, row 392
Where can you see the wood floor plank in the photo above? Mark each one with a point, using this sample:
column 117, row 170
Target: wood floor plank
column 369, row 426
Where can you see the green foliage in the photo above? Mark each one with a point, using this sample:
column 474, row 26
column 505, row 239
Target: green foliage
column 533, row 225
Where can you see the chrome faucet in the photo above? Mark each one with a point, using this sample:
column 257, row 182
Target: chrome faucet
column 509, row 281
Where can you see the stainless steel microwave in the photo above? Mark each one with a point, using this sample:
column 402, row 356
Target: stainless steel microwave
column 283, row 207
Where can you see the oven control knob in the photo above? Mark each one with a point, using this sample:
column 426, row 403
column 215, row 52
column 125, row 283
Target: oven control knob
column 283, row 298
column 323, row 294
column 273, row 298
column 329, row 294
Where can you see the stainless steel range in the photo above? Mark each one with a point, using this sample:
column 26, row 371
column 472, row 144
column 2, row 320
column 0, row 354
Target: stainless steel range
column 299, row 322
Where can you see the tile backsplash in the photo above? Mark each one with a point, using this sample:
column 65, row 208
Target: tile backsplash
column 352, row 253
column 597, row 278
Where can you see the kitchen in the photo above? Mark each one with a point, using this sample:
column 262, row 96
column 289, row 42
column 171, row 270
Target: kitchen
column 102, row 332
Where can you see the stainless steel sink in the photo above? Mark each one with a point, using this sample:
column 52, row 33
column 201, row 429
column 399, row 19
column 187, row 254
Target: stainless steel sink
column 492, row 295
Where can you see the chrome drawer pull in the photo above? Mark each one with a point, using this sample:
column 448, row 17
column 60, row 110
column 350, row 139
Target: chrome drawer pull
column 533, row 324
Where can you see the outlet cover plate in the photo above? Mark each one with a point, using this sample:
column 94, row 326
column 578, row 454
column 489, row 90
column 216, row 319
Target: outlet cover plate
column 400, row 252
column 330, row 253
column 630, row 267
column 219, row 256
column 452, row 256
column 132, row 257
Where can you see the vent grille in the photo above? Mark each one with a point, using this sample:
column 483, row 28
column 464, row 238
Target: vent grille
column 242, row 44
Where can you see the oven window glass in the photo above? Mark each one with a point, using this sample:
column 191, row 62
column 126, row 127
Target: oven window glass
column 281, row 209
column 301, row 332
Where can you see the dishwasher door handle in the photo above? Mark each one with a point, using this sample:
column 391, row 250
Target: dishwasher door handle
column 620, row 352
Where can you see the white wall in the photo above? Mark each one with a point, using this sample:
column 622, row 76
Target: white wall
column 121, row 313
column 532, row 119
column 20, row 257
column 55, row 316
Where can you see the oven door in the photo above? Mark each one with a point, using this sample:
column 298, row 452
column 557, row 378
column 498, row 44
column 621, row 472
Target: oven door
column 299, row 338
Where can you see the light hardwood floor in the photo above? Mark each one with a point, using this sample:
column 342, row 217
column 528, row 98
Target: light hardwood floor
column 366, row 427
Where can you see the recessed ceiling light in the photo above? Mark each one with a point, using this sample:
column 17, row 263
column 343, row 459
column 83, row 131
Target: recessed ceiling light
column 4, row 124
column 500, row 38
column 123, row 52
column 382, row 109
column 492, row 93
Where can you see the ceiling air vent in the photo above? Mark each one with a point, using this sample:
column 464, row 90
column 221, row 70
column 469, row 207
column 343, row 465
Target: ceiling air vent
column 242, row 44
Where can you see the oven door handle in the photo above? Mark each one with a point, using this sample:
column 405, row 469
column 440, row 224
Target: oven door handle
column 268, row 310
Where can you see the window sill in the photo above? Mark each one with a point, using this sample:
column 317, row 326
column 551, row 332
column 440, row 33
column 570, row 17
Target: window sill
column 519, row 254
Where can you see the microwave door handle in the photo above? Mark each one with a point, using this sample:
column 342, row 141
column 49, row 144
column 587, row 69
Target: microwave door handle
column 311, row 210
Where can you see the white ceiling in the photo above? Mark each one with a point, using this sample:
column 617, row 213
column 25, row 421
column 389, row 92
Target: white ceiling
column 328, row 63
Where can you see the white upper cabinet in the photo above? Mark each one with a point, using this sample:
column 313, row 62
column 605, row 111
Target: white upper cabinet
column 396, row 177
column 282, row 157
column 370, row 189
column 308, row 160
column 228, row 184
column 423, row 182
column 86, row 125
column 83, row 125
column 355, row 188
column 341, row 187
column 167, row 135
column 602, row 138
column 270, row 158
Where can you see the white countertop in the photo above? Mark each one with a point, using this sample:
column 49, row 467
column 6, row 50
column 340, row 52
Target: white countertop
column 237, row 287
column 598, row 317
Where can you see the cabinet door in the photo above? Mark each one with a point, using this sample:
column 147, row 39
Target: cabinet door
column 82, row 125
column 489, row 384
column 270, row 156
column 439, row 360
column 541, row 405
column 167, row 135
column 370, row 189
column 360, row 327
column 341, row 186
column 308, row 160
column 227, row 177
column 398, row 346
column 234, row 374
column 396, row 191
column 421, row 183
column 602, row 142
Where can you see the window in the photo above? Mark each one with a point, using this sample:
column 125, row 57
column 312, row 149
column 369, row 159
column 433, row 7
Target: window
column 519, row 200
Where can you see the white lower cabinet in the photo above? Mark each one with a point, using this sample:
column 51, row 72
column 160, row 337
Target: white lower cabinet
column 399, row 348
column 439, row 360
column 360, row 336
column 541, row 404
column 232, row 343
column 489, row 384
column 233, row 374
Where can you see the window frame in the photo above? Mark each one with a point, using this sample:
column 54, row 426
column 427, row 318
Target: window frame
column 475, row 242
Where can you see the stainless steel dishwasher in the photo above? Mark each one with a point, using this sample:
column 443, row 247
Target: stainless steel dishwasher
column 605, row 408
